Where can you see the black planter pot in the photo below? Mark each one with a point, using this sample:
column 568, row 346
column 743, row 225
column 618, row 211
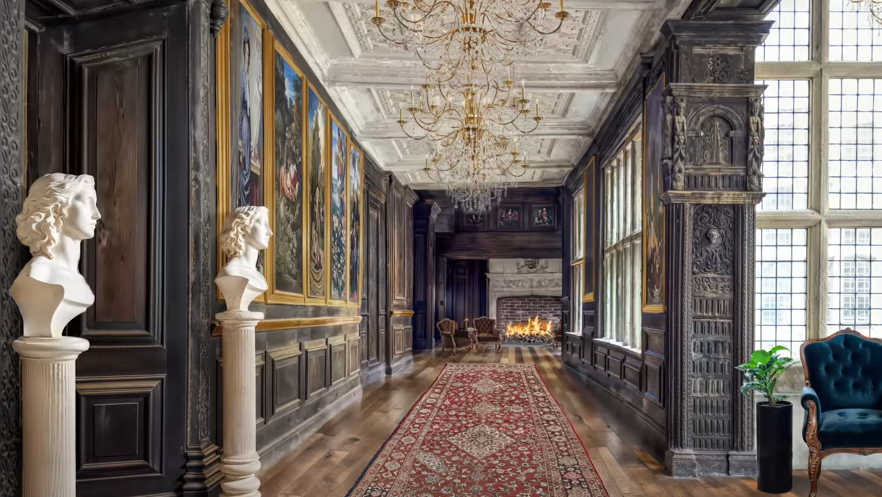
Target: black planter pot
column 774, row 435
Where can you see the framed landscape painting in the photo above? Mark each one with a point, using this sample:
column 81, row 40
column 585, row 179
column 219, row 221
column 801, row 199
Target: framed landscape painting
column 285, row 254
column 316, row 182
column 338, row 238
column 354, row 187
column 653, row 210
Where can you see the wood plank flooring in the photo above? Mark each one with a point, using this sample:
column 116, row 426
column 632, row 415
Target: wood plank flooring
column 328, row 464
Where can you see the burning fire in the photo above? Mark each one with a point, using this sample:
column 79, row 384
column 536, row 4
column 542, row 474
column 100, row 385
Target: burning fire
column 534, row 328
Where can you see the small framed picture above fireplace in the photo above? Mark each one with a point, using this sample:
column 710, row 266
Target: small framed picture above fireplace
column 542, row 217
column 472, row 221
column 509, row 217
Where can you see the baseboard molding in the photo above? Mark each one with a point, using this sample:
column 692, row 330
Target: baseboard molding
column 400, row 365
column 699, row 463
column 373, row 374
column 276, row 450
column 625, row 417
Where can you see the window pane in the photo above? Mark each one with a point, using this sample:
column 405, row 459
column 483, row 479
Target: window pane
column 786, row 158
column 853, row 34
column 854, row 295
column 578, row 239
column 576, row 300
column 780, row 289
column 790, row 36
column 622, row 257
column 855, row 134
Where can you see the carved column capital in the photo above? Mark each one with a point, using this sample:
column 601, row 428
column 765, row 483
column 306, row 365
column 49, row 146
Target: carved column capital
column 219, row 14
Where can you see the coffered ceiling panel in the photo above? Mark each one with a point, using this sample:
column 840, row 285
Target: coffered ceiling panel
column 574, row 76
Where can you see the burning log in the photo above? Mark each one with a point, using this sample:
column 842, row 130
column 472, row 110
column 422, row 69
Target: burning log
column 534, row 330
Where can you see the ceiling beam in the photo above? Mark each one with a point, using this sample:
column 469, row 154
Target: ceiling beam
column 390, row 130
column 391, row 74
column 569, row 4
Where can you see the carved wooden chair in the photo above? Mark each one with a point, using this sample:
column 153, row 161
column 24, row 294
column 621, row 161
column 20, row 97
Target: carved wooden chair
column 487, row 332
column 449, row 337
column 842, row 397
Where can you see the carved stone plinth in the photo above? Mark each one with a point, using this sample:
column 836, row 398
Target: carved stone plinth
column 48, row 374
column 240, row 461
column 711, row 160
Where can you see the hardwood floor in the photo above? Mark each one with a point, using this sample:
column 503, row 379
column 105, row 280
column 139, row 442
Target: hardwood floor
column 328, row 464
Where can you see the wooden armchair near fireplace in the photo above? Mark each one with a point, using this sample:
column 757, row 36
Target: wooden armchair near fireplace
column 487, row 332
column 449, row 337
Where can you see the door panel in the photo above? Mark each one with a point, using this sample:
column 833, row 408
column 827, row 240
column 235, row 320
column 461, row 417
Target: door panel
column 124, row 119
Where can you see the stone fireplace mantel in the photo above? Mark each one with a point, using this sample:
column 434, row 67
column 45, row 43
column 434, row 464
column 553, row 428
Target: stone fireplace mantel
column 522, row 278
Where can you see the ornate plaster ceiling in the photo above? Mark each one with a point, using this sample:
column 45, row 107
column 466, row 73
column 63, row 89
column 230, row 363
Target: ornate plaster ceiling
column 575, row 76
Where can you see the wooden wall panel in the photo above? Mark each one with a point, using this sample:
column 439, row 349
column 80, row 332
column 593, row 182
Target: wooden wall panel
column 284, row 364
column 117, row 90
column 120, row 427
column 316, row 367
column 337, row 352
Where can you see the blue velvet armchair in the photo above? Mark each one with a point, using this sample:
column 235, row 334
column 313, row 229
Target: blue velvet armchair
column 842, row 397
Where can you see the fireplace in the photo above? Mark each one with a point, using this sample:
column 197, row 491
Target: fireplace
column 528, row 319
column 534, row 330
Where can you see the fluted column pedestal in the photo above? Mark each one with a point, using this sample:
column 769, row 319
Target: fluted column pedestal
column 48, row 374
column 240, row 461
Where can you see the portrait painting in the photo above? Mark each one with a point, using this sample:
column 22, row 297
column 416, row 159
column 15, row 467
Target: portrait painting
column 542, row 216
column 509, row 217
column 288, row 191
column 338, row 212
column 247, row 176
column 472, row 220
column 316, row 182
column 653, row 210
column 354, row 224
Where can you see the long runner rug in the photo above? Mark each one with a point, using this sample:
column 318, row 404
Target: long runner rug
column 483, row 430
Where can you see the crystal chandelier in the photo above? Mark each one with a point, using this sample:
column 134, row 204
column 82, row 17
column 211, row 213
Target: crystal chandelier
column 874, row 7
column 447, row 35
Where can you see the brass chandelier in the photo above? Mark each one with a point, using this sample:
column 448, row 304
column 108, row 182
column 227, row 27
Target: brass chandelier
column 472, row 117
column 874, row 7
column 491, row 32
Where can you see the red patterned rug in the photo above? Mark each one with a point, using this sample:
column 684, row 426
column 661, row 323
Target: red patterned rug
column 483, row 429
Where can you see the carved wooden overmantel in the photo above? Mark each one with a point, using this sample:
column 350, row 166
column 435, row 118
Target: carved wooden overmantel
column 711, row 160
column 425, row 213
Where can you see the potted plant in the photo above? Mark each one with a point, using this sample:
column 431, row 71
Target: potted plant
column 774, row 420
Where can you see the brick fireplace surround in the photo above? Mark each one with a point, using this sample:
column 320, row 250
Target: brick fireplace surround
column 526, row 288
column 520, row 309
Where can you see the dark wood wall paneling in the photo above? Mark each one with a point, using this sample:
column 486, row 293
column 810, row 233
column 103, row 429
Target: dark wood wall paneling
column 110, row 97
column 466, row 293
column 425, row 213
column 399, row 237
column 308, row 373
column 635, row 382
column 490, row 240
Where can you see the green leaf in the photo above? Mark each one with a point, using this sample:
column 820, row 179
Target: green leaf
column 778, row 349
column 760, row 356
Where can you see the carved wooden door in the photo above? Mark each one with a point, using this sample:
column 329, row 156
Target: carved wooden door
column 113, row 104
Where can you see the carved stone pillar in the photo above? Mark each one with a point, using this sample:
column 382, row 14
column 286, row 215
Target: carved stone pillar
column 425, row 214
column 711, row 159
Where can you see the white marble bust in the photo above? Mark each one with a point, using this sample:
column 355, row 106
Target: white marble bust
column 59, row 213
column 245, row 233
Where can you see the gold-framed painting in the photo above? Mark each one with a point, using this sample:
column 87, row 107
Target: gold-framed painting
column 653, row 211
column 316, row 169
column 354, row 195
column 244, row 57
column 590, row 229
column 284, row 185
column 338, row 271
